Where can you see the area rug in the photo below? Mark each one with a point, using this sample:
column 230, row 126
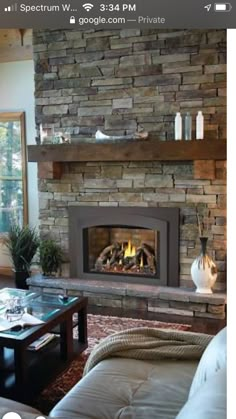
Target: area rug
column 98, row 328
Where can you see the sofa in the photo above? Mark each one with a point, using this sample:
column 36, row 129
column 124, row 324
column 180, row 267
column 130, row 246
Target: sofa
column 122, row 388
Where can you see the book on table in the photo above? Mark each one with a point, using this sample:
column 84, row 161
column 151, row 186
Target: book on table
column 41, row 342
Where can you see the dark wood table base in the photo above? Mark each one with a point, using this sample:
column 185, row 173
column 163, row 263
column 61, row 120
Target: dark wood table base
column 23, row 373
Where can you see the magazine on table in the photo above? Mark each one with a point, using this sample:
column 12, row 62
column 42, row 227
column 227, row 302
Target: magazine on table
column 25, row 321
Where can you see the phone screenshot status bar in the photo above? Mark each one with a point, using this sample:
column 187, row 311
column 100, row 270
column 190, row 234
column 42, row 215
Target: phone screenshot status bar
column 115, row 14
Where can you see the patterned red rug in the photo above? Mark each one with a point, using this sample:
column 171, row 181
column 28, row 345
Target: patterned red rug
column 98, row 328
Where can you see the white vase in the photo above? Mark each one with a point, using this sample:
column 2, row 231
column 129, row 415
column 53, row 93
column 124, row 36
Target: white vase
column 204, row 270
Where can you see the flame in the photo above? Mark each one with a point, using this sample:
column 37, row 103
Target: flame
column 120, row 262
column 130, row 251
column 141, row 262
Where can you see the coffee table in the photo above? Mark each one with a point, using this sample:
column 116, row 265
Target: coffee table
column 24, row 373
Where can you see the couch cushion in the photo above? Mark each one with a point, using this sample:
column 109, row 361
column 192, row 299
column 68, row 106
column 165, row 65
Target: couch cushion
column 16, row 406
column 213, row 358
column 129, row 388
column 209, row 402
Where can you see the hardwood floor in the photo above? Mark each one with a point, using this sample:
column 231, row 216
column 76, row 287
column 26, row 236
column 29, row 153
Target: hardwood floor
column 202, row 325
column 6, row 282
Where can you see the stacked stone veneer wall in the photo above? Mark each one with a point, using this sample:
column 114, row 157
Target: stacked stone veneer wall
column 117, row 81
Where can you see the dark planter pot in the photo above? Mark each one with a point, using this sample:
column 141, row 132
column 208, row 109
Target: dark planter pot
column 20, row 279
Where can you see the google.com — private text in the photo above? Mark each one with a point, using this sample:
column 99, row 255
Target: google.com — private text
column 102, row 20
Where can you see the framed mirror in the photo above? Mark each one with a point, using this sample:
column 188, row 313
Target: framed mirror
column 13, row 171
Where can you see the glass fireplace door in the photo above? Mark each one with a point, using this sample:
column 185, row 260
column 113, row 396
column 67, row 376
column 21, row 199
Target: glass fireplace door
column 122, row 250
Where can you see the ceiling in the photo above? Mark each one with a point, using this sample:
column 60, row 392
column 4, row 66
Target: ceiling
column 15, row 45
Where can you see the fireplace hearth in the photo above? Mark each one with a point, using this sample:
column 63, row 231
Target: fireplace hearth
column 134, row 245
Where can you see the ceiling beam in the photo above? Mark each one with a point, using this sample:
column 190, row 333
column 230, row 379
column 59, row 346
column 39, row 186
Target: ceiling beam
column 15, row 45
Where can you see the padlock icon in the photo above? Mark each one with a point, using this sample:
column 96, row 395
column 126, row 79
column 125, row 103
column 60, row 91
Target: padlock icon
column 72, row 20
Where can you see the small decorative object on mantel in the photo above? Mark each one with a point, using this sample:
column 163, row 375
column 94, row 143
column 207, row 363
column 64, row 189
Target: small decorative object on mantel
column 203, row 269
column 178, row 126
column 199, row 126
column 62, row 136
column 140, row 135
column 46, row 134
column 188, row 127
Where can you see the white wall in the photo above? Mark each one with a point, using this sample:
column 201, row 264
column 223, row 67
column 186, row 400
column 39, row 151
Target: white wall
column 17, row 94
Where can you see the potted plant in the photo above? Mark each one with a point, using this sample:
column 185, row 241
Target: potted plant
column 22, row 243
column 50, row 256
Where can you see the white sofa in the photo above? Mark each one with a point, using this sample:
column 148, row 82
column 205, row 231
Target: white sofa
column 121, row 388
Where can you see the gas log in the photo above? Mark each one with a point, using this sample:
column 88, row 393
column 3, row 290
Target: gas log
column 123, row 257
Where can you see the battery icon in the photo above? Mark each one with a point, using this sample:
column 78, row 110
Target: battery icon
column 222, row 7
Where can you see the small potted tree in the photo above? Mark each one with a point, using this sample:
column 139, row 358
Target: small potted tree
column 50, row 257
column 22, row 243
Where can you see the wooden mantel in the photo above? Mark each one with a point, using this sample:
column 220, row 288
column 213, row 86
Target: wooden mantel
column 51, row 156
column 129, row 151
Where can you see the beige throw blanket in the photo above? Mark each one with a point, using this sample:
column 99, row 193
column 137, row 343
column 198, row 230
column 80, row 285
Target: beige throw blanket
column 150, row 344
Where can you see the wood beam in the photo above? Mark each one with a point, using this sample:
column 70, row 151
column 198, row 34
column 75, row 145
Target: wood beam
column 15, row 45
column 49, row 170
column 130, row 151
column 204, row 169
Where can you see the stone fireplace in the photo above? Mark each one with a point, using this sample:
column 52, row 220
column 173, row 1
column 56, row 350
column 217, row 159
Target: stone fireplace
column 145, row 185
column 121, row 81
column 137, row 244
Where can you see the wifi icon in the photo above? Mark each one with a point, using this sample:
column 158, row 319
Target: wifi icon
column 88, row 6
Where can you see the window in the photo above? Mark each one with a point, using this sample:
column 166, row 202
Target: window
column 13, row 182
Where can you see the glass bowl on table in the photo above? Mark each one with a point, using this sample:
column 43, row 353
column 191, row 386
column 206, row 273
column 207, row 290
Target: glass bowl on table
column 14, row 309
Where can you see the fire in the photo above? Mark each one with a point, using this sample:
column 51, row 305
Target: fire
column 130, row 250
column 141, row 262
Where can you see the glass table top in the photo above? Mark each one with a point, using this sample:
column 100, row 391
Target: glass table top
column 8, row 293
column 42, row 313
column 42, row 306
column 55, row 299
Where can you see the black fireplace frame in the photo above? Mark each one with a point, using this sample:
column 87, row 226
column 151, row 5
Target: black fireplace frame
column 164, row 220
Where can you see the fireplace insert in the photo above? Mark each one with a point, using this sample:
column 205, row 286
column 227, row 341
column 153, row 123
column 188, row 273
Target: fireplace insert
column 122, row 250
column 133, row 244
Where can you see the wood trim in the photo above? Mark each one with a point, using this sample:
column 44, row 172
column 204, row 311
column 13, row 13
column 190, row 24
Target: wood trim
column 10, row 116
column 20, row 116
column 24, row 167
column 130, row 151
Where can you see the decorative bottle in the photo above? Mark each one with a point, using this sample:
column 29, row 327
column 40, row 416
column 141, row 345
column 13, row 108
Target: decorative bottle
column 200, row 126
column 204, row 270
column 188, row 127
column 178, row 126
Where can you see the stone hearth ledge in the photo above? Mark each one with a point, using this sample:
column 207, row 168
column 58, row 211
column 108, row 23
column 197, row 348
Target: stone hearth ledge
column 149, row 298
